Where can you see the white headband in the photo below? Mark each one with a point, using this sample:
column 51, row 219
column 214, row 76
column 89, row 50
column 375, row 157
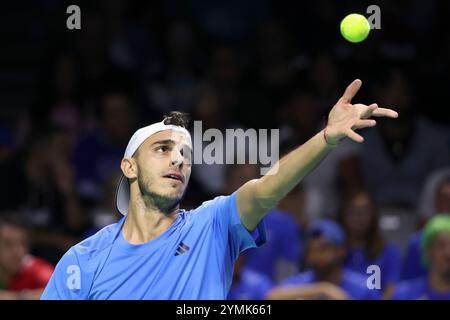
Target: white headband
column 123, row 188
column 144, row 133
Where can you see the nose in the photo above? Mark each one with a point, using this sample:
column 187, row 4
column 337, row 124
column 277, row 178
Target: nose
column 176, row 158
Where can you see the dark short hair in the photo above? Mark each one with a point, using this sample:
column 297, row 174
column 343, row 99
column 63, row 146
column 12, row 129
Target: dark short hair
column 177, row 118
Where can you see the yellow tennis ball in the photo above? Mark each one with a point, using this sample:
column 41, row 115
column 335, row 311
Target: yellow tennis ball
column 355, row 27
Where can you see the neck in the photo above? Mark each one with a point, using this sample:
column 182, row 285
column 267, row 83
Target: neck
column 439, row 282
column 333, row 276
column 144, row 223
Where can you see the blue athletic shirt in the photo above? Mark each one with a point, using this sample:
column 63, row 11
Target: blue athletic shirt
column 193, row 259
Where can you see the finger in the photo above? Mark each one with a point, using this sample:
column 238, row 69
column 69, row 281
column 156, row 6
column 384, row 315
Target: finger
column 383, row 112
column 351, row 91
column 364, row 124
column 354, row 136
column 369, row 111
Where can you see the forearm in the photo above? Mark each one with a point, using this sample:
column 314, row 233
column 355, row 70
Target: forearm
column 290, row 170
column 259, row 196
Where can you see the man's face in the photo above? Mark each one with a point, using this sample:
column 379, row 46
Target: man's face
column 13, row 248
column 323, row 256
column 164, row 167
column 439, row 254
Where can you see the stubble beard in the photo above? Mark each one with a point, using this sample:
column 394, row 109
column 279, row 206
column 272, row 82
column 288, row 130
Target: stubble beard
column 165, row 203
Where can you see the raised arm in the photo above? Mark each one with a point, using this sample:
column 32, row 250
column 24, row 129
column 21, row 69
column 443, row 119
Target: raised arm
column 258, row 196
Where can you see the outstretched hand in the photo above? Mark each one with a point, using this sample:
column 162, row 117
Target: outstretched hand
column 346, row 117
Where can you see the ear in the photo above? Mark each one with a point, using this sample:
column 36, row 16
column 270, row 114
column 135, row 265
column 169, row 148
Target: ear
column 129, row 168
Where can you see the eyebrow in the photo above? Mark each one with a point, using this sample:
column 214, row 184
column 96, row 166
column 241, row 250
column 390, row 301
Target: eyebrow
column 166, row 141
column 169, row 141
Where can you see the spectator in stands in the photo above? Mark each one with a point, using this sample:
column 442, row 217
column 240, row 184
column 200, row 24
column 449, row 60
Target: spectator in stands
column 403, row 153
column 435, row 249
column 248, row 284
column 209, row 109
column 435, row 199
column 105, row 212
column 326, row 277
column 294, row 204
column 41, row 185
column 22, row 276
column 365, row 243
column 179, row 80
column 338, row 174
column 99, row 153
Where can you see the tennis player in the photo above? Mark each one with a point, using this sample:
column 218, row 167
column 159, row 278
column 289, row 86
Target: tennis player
column 159, row 251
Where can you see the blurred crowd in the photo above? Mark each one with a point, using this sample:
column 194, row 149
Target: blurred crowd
column 71, row 99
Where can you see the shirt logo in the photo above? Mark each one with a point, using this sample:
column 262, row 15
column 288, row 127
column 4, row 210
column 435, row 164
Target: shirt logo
column 182, row 248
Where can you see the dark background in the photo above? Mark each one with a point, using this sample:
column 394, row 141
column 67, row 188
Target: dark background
column 70, row 99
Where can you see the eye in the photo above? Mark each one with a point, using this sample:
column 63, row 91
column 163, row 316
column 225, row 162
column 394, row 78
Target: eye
column 186, row 153
column 162, row 149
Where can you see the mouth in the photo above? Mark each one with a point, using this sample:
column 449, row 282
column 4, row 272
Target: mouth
column 175, row 176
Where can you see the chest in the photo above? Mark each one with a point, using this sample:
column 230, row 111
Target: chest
column 179, row 266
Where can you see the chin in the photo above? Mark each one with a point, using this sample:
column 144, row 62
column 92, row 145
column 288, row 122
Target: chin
column 173, row 195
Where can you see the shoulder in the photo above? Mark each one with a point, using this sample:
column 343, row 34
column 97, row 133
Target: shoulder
column 214, row 203
column 212, row 208
column 90, row 248
column 76, row 270
column 410, row 289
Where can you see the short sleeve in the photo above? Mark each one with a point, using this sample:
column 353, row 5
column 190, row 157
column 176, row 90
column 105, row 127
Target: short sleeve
column 70, row 280
column 226, row 218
